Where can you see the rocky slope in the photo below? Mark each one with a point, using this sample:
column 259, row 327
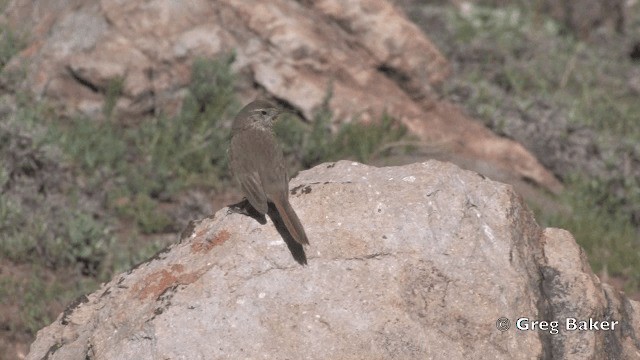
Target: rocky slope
column 365, row 53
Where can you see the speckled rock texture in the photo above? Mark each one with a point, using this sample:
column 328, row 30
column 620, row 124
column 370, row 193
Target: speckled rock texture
column 411, row 262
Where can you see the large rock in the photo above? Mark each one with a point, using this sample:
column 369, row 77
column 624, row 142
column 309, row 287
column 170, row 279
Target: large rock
column 412, row 262
column 365, row 52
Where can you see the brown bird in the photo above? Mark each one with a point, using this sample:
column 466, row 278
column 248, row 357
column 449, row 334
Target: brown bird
column 257, row 163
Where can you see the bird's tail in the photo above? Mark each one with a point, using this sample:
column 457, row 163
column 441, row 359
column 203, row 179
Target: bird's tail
column 291, row 220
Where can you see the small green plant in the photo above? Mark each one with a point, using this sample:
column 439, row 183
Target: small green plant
column 132, row 250
column 94, row 145
column 74, row 239
column 87, row 243
column 34, row 301
column 211, row 88
column 112, row 93
column 18, row 241
column 10, row 45
column 362, row 141
column 303, row 144
column 601, row 228
column 38, row 298
column 144, row 210
column 309, row 145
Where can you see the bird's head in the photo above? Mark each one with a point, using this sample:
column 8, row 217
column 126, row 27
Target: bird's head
column 259, row 114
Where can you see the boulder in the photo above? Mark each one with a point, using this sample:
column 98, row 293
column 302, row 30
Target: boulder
column 424, row 261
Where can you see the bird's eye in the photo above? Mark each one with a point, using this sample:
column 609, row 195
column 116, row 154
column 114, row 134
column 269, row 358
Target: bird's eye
column 263, row 112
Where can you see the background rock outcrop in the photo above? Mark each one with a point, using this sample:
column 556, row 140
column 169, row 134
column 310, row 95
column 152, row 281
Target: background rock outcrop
column 407, row 262
column 366, row 53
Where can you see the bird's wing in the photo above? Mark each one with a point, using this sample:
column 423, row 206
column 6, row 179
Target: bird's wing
column 252, row 188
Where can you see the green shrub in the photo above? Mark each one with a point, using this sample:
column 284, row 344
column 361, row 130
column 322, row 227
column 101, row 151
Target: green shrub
column 521, row 66
column 311, row 144
column 607, row 234
column 10, row 45
column 145, row 165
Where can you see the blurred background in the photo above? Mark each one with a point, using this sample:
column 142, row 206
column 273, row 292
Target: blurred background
column 115, row 119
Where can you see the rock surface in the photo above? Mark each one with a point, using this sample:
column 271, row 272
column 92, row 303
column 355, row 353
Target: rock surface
column 411, row 262
column 365, row 52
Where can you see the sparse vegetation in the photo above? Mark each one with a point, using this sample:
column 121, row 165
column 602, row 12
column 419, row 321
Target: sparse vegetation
column 308, row 145
column 521, row 69
column 112, row 93
column 147, row 165
column 122, row 183
column 10, row 44
column 602, row 228
column 96, row 178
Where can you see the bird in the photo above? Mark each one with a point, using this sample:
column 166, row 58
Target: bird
column 257, row 163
